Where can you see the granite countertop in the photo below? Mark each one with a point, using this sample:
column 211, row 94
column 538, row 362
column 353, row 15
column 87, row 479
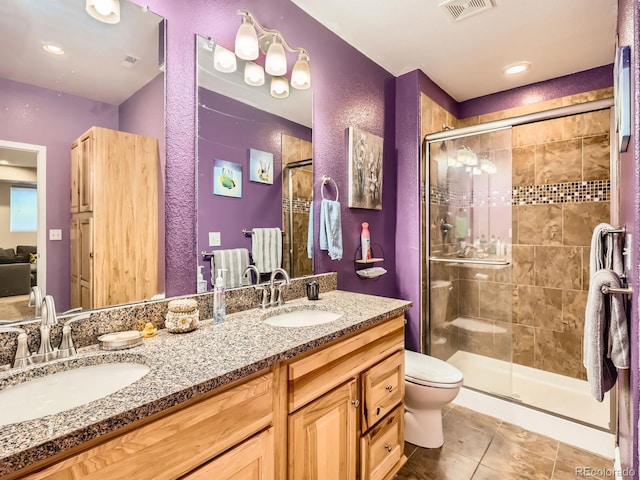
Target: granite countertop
column 183, row 366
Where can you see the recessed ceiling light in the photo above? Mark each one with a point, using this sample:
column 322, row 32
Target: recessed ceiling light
column 516, row 68
column 53, row 49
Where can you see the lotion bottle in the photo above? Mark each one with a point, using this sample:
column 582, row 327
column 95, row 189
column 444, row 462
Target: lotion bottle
column 202, row 283
column 219, row 300
column 365, row 241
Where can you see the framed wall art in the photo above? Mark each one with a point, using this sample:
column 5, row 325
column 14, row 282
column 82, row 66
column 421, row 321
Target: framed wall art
column 260, row 166
column 365, row 169
column 227, row 178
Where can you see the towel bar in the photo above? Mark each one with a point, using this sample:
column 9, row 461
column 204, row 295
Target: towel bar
column 622, row 230
column 248, row 233
column 625, row 291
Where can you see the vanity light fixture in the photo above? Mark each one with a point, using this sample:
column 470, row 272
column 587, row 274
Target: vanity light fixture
column 224, row 60
column 516, row 68
column 253, row 74
column 252, row 38
column 107, row 11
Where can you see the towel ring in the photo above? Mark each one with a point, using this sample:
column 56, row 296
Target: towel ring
column 326, row 180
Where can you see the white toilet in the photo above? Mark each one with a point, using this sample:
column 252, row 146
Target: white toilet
column 430, row 384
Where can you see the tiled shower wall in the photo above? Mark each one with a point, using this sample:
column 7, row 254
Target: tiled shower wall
column 560, row 192
column 293, row 150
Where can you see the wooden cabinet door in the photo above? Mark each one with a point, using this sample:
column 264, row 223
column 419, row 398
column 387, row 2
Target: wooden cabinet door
column 85, row 241
column 251, row 460
column 86, row 173
column 74, row 236
column 323, row 436
column 76, row 153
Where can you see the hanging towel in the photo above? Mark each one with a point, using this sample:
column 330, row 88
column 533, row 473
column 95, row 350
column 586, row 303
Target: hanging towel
column 606, row 250
column 606, row 336
column 266, row 249
column 235, row 260
column 310, row 232
column 331, row 228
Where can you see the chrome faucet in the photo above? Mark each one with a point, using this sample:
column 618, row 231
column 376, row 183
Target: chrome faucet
column 35, row 299
column 259, row 286
column 276, row 292
column 254, row 269
column 22, row 357
column 46, row 351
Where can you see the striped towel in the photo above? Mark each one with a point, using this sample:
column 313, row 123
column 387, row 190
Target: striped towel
column 266, row 249
column 235, row 260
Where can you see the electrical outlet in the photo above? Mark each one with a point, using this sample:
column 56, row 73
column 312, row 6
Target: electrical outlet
column 214, row 239
column 55, row 234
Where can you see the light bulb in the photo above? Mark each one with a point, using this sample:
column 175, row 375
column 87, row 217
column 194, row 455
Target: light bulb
column 107, row 11
column 279, row 87
column 246, row 46
column 104, row 7
column 300, row 75
column 253, row 74
column 276, row 61
column 224, row 60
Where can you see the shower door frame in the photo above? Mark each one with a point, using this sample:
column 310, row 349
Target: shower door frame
column 425, row 240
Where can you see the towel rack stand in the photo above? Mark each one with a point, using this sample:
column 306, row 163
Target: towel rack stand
column 325, row 180
column 622, row 230
column 248, row 233
column 625, row 290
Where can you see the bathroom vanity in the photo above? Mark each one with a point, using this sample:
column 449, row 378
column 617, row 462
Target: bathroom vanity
column 240, row 399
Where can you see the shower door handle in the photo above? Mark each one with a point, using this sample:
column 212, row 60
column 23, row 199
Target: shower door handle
column 472, row 261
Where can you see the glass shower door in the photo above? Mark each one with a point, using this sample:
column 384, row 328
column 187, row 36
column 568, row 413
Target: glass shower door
column 469, row 269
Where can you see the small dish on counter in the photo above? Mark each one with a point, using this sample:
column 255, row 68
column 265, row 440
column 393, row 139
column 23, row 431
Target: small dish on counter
column 120, row 340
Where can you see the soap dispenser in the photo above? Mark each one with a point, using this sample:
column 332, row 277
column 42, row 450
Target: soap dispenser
column 202, row 283
column 219, row 300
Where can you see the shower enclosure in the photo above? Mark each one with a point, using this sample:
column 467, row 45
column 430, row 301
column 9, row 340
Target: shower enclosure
column 297, row 179
column 510, row 210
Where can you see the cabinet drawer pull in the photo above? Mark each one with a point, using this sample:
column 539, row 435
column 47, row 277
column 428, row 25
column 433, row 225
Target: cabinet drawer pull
column 389, row 388
column 387, row 447
column 355, row 403
column 378, row 411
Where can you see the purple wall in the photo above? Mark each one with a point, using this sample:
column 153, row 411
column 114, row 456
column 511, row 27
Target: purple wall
column 349, row 89
column 629, row 398
column 226, row 131
column 586, row 81
column 143, row 114
column 33, row 115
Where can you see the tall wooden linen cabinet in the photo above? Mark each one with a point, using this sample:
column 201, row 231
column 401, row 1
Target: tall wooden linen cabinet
column 114, row 218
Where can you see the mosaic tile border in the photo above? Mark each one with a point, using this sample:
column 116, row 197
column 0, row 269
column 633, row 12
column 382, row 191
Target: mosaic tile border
column 566, row 192
column 300, row 205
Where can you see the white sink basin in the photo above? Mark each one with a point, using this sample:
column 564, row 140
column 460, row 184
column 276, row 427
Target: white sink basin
column 57, row 392
column 302, row 318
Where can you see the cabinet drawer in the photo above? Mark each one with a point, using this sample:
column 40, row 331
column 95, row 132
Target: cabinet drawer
column 175, row 444
column 251, row 460
column 382, row 449
column 383, row 389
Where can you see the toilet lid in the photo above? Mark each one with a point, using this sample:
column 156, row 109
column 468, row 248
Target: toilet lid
column 425, row 369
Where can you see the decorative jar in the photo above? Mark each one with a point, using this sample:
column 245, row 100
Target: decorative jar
column 182, row 316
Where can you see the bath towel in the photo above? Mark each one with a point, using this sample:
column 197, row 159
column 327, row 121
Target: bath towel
column 606, row 335
column 606, row 250
column 235, row 260
column 266, row 249
column 331, row 228
column 310, row 232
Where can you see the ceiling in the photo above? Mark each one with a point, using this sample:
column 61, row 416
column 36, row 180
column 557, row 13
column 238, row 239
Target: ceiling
column 466, row 58
column 93, row 65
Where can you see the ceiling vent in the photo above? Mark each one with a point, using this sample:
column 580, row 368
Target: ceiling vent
column 460, row 9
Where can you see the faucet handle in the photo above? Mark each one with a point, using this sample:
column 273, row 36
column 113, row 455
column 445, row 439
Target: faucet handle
column 23, row 355
column 48, row 311
column 66, row 348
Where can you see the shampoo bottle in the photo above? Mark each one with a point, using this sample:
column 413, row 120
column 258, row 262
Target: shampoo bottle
column 219, row 300
column 365, row 241
column 202, row 283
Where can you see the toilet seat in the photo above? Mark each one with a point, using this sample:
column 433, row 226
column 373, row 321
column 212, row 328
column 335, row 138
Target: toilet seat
column 430, row 371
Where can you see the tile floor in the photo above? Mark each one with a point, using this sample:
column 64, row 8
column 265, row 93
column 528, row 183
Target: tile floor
column 479, row 447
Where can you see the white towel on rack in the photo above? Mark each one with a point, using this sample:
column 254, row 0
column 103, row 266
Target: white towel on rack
column 606, row 250
column 234, row 260
column 266, row 248
column 606, row 335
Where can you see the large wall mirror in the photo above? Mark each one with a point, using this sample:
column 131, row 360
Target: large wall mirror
column 255, row 165
column 64, row 72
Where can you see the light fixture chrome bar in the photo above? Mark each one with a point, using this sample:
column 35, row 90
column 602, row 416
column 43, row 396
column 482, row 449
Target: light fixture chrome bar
column 268, row 31
column 522, row 119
